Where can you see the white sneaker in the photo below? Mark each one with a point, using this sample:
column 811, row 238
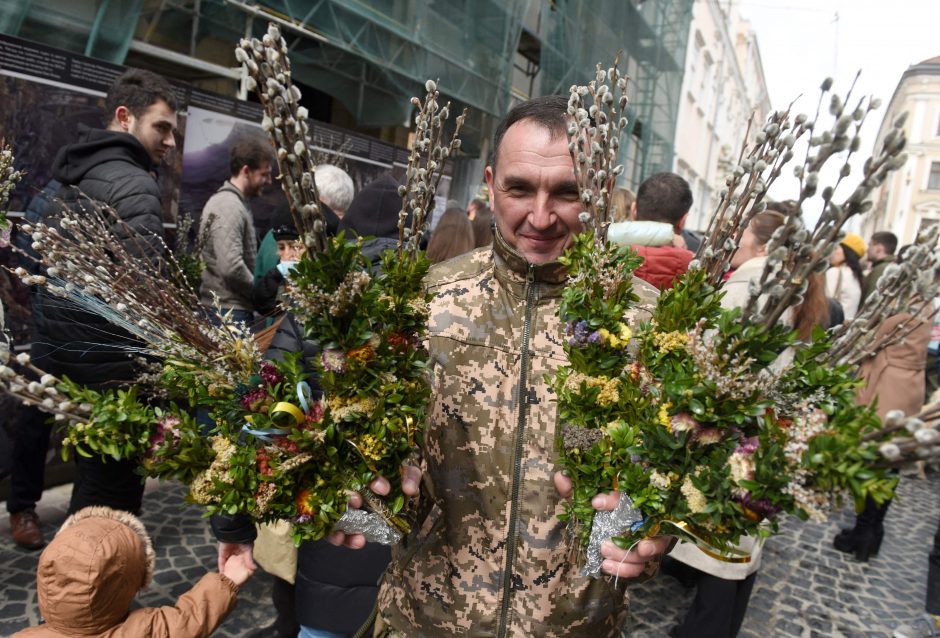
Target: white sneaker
column 923, row 627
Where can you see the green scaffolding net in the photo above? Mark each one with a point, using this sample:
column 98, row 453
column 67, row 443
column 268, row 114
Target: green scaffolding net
column 373, row 55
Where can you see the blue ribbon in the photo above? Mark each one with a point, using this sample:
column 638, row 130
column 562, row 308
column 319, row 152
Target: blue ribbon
column 303, row 394
column 264, row 434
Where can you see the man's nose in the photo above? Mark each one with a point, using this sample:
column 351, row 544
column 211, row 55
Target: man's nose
column 170, row 140
column 542, row 215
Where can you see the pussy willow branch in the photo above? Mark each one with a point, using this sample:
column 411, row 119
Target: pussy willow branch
column 425, row 166
column 90, row 269
column 286, row 121
column 594, row 143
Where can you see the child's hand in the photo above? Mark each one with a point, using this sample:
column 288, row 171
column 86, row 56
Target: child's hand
column 238, row 569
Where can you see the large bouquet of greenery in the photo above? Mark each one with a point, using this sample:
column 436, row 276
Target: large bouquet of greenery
column 715, row 421
column 282, row 446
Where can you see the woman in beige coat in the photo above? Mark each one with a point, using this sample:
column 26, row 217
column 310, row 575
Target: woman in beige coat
column 895, row 377
column 91, row 572
column 723, row 589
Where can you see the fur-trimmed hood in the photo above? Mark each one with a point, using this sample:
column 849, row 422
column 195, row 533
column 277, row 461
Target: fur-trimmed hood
column 93, row 569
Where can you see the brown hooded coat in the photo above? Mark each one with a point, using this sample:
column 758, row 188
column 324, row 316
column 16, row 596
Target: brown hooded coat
column 90, row 573
column 896, row 374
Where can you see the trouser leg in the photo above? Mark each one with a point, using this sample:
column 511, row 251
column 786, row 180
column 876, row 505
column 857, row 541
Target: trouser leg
column 28, row 468
column 933, row 577
column 114, row 484
column 718, row 607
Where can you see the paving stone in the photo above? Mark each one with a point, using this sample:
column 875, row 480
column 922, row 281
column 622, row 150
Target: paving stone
column 804, row 588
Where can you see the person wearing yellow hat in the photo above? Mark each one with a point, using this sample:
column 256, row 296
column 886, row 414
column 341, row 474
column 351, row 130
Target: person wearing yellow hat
column 844, row 277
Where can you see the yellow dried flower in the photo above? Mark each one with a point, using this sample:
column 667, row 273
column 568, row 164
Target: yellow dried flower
column 371, row 447
column 669, row 341
column 625, row 333
column 609, row 388
column 664, row 419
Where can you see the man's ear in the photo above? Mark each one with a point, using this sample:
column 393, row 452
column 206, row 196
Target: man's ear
column 122, row 118
column 633, row 211
column 681, row 224
column 488, row 176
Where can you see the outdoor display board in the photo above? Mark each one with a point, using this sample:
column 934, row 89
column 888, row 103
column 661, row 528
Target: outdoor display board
column 48, row 94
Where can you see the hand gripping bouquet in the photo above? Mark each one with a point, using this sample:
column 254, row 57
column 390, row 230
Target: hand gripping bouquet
column 713, row 422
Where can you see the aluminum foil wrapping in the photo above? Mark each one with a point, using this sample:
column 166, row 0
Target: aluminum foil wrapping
column 605, row 526
column 370, row 525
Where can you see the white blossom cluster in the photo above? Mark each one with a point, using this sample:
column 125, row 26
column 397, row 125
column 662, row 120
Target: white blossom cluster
column 285, row 120
column 425, row 167
column 598, row 120
column 732, row 372
column 9, row 177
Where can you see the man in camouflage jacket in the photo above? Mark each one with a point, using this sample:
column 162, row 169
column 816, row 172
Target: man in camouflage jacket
column 489, row 556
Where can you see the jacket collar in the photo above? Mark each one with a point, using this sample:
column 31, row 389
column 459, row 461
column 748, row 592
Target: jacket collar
column 512, row 269
column 230, row 187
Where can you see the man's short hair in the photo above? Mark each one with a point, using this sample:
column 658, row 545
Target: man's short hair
column 887, row 239
column 250, row 152
column 477, row 203
column 663, row 197
column 549, row 111
column 138, row 90
column 335, row 187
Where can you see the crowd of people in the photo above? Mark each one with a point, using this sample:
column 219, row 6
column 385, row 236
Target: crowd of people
column 488, row 553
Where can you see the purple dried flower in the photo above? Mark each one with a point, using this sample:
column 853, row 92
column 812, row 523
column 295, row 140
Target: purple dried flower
column 594, row 337
column 748, row 445
column 333, row 361
column 269, row 373
column 579, row 332
column 762, row 507
column 166, row 428
column 254, row 400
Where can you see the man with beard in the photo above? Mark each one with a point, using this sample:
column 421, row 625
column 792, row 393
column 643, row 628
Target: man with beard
column 232, row 246
column 115, row 167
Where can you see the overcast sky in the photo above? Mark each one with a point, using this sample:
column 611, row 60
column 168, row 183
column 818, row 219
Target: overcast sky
column 802, row 42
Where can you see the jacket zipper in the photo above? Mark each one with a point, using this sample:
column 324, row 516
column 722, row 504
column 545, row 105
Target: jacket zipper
column 517, row 463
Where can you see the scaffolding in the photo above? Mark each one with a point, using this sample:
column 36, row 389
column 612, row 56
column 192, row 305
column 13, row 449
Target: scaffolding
column 652, row 35
column 373, row 55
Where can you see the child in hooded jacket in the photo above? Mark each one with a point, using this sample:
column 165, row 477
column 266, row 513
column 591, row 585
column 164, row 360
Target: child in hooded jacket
column 95, row 566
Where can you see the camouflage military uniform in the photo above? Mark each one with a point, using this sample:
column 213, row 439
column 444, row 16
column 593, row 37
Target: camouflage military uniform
column 490, row 557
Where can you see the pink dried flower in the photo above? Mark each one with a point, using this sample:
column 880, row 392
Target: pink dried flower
column 166, row 429
column 333, row 361
column 255, row 400
column 269, row 374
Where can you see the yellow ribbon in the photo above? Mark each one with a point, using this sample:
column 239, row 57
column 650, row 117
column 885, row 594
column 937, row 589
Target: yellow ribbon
column 278, row 410
column 726, row 556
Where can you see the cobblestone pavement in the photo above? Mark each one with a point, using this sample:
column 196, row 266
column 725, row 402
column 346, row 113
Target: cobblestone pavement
column 805, row 587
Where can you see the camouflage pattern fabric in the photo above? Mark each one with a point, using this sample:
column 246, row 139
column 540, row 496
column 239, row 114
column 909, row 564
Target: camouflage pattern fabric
column 489, row 556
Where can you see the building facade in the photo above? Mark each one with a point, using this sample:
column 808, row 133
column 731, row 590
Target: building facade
column 358, row 62
column 723, row 86
column 909, row 199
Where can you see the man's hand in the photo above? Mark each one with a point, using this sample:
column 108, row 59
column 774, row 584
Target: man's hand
column 641, row 560
column 243, row 550
column 619, row 562
column 410, row 483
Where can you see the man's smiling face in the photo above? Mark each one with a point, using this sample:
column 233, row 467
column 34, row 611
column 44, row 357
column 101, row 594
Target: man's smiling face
column 535, row 196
